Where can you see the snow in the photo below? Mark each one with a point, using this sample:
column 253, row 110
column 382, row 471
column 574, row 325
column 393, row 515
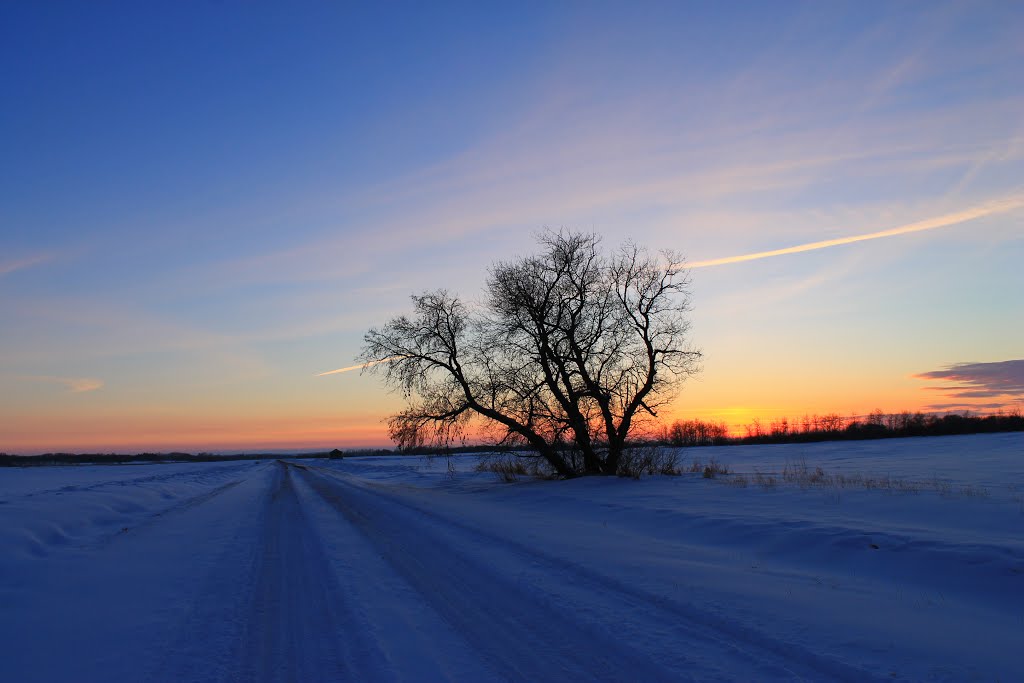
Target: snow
column 391, row 568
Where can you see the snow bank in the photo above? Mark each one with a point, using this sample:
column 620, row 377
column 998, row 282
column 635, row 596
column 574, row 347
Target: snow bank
column 390, row 568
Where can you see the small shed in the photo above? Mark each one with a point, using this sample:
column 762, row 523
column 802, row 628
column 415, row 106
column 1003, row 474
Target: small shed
column 335, row 455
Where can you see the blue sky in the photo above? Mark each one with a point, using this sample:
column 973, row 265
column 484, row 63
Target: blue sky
column 202, row 205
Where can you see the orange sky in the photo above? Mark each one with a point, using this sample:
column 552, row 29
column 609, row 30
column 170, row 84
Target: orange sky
column 182, row 260
column 246, row 427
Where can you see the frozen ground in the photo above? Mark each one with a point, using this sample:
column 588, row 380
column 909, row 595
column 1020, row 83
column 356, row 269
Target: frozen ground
column 389, row 569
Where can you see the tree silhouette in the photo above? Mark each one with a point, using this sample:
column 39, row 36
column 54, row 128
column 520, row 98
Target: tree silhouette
column 568, row 349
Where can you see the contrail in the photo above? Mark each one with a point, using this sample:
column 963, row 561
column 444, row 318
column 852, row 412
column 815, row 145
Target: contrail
column 355, row 367
column 1001, row 206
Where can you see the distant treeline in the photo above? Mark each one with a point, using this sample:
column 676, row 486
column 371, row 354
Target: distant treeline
column 830, row 427
column 834, row 427
column 8, row 460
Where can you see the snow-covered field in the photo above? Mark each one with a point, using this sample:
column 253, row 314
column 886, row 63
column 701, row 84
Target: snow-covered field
column 379, row 569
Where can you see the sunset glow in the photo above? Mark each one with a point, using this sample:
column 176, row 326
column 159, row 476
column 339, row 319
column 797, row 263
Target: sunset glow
column 206, row 207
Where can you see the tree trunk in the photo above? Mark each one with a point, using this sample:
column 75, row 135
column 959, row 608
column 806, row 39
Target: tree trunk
column 611, row 462
column 591, row 462
column 553, row 457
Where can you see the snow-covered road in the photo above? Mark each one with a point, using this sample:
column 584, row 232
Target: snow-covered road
column 387, row 569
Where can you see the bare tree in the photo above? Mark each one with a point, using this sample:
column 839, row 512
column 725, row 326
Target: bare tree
column 568, row 349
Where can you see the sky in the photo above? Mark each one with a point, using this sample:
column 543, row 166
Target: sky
column 204, row 206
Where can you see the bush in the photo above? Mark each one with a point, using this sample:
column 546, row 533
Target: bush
column 640, row 460
column 510, row 466
column 711, row 470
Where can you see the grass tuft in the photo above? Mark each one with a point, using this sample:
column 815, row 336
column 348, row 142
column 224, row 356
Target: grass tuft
column 642, row 460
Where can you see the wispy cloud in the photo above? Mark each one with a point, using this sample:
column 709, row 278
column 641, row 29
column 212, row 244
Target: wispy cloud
column 991, row 208
column 7, row 267
column 75, row 385
column 624, row 165
column 980, row 380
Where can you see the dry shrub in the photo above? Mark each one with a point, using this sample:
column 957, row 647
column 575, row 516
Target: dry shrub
column 798, row 472
column 766, row 481
column 713, row 469
column 641, row 460
column 972, row 491
column 944, row 488
column 738, row 480
column 507, row 467
column 669, row 464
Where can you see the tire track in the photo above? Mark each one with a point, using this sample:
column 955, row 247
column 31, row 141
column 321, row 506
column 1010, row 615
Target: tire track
column 197, row 474
column 712, row 638
column 203, row 642
column 157, row 517
column 299, row 627
column 520, row 635
column 109, row 515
